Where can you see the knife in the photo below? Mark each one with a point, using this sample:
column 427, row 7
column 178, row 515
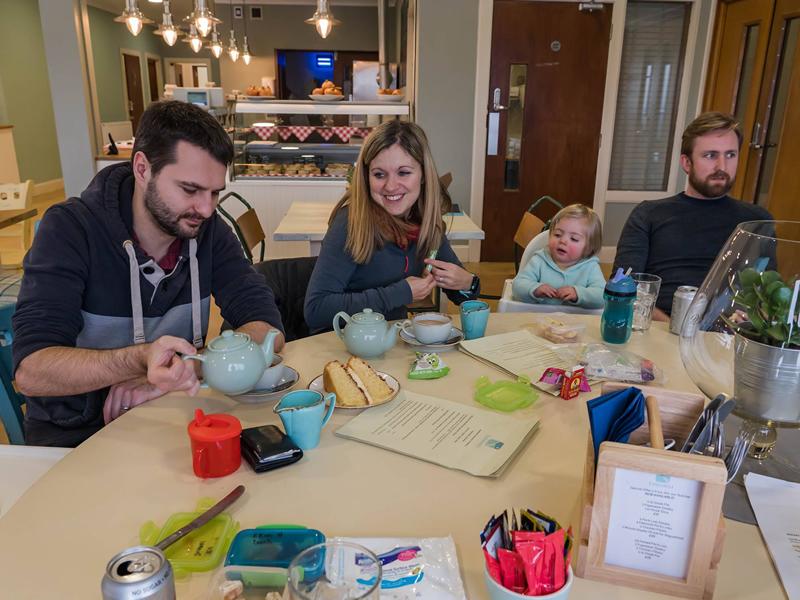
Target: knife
column 701, row 422
column 202, row 519
column 717, row 417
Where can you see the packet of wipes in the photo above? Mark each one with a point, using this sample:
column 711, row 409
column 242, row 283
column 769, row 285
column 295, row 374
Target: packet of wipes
column 428, row 365
column 417, row 568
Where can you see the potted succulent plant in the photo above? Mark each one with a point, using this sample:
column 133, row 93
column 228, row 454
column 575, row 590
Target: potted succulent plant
column 766, row 348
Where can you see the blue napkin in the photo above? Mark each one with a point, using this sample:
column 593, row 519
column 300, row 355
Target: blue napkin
column 612, row 417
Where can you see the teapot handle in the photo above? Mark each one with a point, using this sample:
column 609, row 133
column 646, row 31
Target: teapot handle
column 199, row 357
column 336, row 317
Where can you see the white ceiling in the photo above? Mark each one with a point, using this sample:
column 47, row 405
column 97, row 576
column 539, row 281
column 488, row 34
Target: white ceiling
column 181, row 8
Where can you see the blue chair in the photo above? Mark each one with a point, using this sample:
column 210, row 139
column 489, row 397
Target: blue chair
column 10, row 401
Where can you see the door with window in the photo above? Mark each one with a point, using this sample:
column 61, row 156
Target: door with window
column 133, row 88
column 546, row 85
column 755, row 75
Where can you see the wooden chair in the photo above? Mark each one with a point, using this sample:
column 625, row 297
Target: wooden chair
column 10, row 401
column 15, row 238
column 246, row 226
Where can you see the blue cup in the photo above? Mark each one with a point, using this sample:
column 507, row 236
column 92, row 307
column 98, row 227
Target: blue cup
column 304, row 415
column 474, row 317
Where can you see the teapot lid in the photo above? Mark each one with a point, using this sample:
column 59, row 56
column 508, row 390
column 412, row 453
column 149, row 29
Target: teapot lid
column 229, row 340
column 367, row 316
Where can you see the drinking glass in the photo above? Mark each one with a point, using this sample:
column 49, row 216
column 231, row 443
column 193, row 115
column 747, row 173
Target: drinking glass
column 647, row 287
column 335, row 570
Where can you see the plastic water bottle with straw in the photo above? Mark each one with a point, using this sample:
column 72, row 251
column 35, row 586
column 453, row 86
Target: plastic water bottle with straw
column 617, row 319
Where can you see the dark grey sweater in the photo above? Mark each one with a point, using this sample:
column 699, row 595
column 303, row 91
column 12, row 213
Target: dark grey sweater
column 339, row 283
column 678, row 238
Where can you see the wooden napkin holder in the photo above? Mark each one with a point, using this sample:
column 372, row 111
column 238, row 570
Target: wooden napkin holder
column 679, row 411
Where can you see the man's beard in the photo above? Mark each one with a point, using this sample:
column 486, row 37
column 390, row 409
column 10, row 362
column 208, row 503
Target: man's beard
column 709, row 188
column 168, row 221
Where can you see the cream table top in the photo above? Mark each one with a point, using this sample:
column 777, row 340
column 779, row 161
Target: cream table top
column 56, row 540
column 308, row 222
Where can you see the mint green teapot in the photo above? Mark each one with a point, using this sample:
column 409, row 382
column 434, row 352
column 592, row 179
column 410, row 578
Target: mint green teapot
column 367, row 334
column 233, row 363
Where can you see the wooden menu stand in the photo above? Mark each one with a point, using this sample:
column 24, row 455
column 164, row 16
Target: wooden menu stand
column 650, row 555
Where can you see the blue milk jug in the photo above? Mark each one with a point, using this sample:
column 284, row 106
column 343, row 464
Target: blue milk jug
column 617, row 319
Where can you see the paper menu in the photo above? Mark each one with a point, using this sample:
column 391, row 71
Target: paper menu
column 517, row 353
column 775, row 503
column 472, row 439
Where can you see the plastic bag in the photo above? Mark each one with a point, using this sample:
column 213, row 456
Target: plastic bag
column 604, row 362
column 556, row 329
column 417, row 568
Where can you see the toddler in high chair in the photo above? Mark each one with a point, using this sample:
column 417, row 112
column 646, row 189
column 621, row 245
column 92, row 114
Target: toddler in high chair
column 568, row 270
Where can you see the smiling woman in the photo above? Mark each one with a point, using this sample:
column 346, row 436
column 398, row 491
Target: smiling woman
column 382, row 230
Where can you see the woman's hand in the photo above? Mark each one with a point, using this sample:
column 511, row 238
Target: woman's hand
column 449, row 275
column 421, row 287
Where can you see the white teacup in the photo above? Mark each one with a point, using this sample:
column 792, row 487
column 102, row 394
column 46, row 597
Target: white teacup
column 272, row 374
column 430, row 328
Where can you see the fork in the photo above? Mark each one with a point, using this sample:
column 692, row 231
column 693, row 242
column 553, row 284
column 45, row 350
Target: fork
column 735, row 457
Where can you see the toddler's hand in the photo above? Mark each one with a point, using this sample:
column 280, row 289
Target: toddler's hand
column 567, row 293
column 545, row 291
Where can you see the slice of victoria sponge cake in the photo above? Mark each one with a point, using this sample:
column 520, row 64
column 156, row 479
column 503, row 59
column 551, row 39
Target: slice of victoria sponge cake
column 377, row 389
column 355, row 384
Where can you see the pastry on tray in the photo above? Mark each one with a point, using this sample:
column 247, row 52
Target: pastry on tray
column 355, row 383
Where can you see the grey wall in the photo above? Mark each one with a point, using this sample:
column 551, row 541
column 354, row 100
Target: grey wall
column 283, row 28
column 25, row 100
column 446, row 63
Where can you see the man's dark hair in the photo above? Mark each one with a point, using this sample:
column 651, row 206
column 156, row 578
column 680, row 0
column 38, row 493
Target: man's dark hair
column 164, row 124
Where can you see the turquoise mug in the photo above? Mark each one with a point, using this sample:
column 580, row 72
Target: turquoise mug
column 474, row 317
column 304, row 415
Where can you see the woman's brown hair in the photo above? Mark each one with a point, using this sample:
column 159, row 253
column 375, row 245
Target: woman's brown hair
column 369, row 225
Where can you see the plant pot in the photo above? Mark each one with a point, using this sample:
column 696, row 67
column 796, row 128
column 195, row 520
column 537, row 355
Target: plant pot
column 766, row 383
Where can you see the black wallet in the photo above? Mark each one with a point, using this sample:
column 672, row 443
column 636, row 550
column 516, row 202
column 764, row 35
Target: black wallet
column 267, row 447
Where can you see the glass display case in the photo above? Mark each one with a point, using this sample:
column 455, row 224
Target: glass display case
column 286, row 140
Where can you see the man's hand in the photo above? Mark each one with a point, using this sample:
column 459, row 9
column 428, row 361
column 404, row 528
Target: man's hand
column 567, row 293
column 169, row 372
column 421, row 287
column 545, row 291
column 124, row 396
column 660, row 315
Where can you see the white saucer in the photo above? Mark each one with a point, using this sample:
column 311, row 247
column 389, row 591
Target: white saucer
column 288, row 381
column 456, row 335
column 317, row 385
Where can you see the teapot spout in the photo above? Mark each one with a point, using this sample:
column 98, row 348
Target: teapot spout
column 268, row 346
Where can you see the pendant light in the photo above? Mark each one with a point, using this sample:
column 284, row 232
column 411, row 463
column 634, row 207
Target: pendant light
column 215, row 45
column 323, row 19
column 202, row 17
column 194, row 40
column 233, row 51
column 132, row 17
column 246, row 58
column 167, row 30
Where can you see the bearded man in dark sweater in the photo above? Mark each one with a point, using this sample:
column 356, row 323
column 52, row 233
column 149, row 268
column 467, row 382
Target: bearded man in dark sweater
column 678, row 238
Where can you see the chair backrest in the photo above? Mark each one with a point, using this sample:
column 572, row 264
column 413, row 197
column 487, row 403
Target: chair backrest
column 246, row 226
column 18, row 196
column 10, row 401
column 529, row 227
column 536, row 244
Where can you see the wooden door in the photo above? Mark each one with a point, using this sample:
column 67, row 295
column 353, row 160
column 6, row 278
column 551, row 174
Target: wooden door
column 741, row 40
column 133, row 87
column 152, row 78
column 770, row 178
column 546, row 86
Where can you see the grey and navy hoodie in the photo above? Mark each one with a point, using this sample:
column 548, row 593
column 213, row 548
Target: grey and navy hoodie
column 86, row 285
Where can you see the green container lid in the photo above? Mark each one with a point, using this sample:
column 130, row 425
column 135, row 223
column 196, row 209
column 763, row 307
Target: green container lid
column 506, row 396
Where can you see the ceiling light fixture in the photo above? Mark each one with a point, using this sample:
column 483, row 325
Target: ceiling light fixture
column 246, row 57
column 215, row 45
column 323, row 19
column 194, row 40
column 167, row 30
column 233, row 51
column 202, row 17
column 132, row 17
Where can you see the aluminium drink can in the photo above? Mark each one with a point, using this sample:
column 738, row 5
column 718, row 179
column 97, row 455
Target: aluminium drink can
column 680, row 306
column 137, row 573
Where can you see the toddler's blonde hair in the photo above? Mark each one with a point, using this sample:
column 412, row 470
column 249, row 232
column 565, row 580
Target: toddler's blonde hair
column 594, row 229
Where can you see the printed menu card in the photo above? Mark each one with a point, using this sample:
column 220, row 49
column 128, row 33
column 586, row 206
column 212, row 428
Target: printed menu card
column 775, row 503
column 454, row 435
